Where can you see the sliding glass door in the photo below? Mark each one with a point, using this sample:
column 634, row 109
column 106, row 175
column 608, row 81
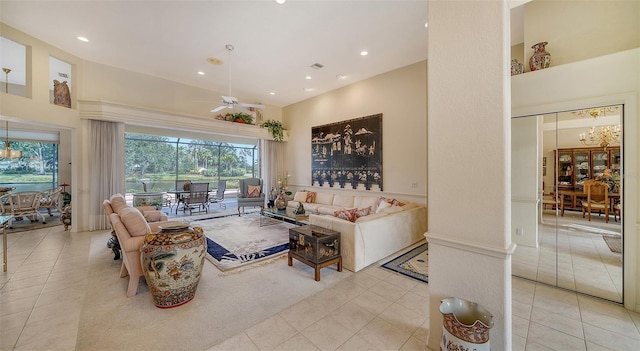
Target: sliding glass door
column 562, row 240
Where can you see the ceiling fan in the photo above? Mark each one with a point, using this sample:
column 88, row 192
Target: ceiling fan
column 230, row 101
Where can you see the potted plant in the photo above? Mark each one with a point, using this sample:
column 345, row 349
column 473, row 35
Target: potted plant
column 240, row 117
column 275, row 128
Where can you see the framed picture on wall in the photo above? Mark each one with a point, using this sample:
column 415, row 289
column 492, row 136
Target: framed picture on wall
column 348, row 153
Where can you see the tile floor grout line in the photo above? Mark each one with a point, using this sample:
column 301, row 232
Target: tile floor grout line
column 24, row 326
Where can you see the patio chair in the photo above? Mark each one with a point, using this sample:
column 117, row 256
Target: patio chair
column 218, row 198
column 51, row 200
column 181, row 192
column 198, row 198
column 21, row 204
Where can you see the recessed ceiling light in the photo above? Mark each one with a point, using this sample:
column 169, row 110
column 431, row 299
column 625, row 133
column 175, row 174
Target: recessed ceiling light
column 201, row 73
column 281, row 1
column 364, row 53
column 272, row 93
column 426, row 24
column 308, row 89
column 83, row 39
column 341, row 76
column 307, row 77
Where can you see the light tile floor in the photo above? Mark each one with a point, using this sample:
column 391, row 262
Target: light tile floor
column 41, row 299
column 573, row 255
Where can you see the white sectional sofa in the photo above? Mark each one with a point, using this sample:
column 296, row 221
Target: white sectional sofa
column 392, row 225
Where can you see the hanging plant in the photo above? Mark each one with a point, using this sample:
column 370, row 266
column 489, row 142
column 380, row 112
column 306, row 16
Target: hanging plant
column 275, row 128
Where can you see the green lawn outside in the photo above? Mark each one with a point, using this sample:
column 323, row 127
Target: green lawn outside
column 166, row 182
column 25, row 178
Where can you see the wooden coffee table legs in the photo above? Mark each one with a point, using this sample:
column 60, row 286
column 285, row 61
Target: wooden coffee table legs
column 316, row 266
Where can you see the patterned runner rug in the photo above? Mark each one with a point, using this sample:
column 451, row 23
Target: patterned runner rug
column 234, row 243
column 614, row 242
column 414, row 263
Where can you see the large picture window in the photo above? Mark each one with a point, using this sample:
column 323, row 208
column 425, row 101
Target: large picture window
column 154, row 163
column 36, row 170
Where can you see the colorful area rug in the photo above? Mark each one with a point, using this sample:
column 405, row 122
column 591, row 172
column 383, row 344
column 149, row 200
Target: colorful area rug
column 234, row 243
column 414, row 263
column 614, row 242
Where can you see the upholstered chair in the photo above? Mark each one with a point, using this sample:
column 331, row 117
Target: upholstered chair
column 248, row 196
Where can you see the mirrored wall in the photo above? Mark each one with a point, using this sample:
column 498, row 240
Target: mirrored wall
column 567, row 199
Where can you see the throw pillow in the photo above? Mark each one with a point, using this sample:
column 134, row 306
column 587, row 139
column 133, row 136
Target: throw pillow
column 393, row 202
column 254, row 191
column 382, row 205
column 152, row 216
column 186, row 186
column 300, row 196
column 117, row 203
column 311, row 197
column 361, row 212
column 348, row 215
column 134, row 221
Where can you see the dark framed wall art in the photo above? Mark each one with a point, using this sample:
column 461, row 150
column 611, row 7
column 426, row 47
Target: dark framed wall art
column 348, row 153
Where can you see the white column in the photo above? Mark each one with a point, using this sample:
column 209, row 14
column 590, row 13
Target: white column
column 469, row 161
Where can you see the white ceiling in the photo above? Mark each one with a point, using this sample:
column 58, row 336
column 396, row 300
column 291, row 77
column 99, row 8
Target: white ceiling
column 275, row 45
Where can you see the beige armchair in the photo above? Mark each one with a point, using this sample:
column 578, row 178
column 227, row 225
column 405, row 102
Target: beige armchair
column 21, row 204
column 130, row 226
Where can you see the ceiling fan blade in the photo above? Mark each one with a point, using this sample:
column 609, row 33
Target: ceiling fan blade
column 220, row 108
column 229, row 99
column 251, row 105
column 243, row 109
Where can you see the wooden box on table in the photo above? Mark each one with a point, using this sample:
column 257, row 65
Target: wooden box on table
column 315, row 246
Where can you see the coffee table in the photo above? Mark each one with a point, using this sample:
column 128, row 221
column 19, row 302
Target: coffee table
column 315, row 246
column 286, row 215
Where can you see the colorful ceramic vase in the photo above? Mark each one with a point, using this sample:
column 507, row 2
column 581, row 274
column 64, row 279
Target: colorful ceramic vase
column 540, row 58
column 281, row 201
column 466, row 325
column 172, row 261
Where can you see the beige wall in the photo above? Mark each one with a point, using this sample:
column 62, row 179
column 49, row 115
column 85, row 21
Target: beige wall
column 578, row 30
column 400, row 96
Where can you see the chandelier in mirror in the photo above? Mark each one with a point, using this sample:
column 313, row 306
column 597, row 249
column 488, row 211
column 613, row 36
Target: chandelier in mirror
column 604, row 137
column 595, row 112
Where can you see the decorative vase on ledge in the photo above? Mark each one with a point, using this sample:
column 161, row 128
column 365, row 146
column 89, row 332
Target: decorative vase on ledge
column 516, row 67
column 540, row 58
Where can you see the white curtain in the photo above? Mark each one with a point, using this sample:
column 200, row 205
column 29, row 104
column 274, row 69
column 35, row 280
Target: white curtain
column 106, row 169
column 273, row 157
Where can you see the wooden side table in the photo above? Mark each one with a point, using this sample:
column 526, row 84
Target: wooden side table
column 315, row 246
